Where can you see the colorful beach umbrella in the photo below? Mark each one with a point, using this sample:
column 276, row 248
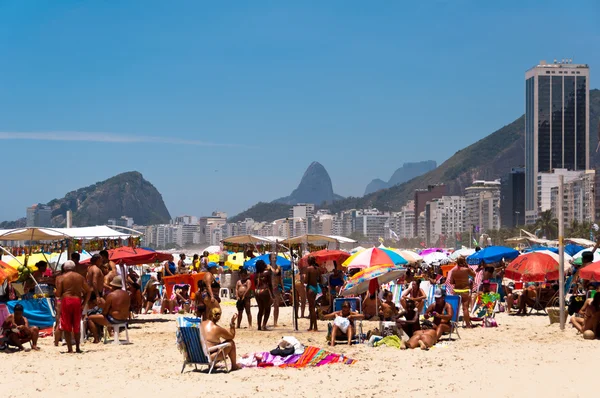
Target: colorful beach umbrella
column 322, row 256
column 134, row 256
column 533, row 267
column 374, row 256
column 590, row 272
column 493, row 254
column 7, row 273
column 283, row 262
column 409, row 256
column 359, row 283
column 430, row 250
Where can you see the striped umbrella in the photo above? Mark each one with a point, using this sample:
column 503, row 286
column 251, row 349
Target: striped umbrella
column 374, row 256
column 359, row 283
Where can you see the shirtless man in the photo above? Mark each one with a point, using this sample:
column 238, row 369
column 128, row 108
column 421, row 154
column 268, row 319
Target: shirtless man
column 442, row 314
column 300, row 290
column 410, row 323
column 70, row 289
column 313, row 276
column 95, row 277
column 416, row 294
column 369, row 306
column 214, row 333
column 459, row 279
column 115, row 308
column 150, row 294
column 341, row 331
column 242, row 292
column 588, row 316
column 17, row 330
column 81, row 269
column 276, row 279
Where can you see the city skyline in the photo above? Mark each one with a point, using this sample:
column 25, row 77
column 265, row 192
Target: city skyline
column 206, row 96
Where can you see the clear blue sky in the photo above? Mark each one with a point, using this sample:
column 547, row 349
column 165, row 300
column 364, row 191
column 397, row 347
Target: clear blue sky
column 223, row 104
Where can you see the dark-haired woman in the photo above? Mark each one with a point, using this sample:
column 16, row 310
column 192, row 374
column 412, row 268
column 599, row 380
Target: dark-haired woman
column 263, row 294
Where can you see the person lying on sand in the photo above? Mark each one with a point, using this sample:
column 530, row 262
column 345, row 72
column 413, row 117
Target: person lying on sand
column 214, row 333
column 17, row 330
column 425, row 339
column 343, row 324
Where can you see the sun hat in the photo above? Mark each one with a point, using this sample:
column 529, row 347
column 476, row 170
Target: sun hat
column 117, row 282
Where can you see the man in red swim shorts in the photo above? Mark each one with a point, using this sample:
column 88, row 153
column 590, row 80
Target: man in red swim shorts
column 70, row 289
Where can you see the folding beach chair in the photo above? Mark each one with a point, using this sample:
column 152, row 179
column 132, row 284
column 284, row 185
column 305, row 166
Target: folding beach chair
column 455, row 302
column 356, row 306
column 192, row 344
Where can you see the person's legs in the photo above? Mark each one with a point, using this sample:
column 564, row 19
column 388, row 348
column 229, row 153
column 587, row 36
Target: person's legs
column 441, row 329
column 334, row 332
column 420, row 306
column 413, row 342
column 403, row 302
column 14, row 340
column 577, row 323
column 267, row 312
column 312, row 314
column 350, row 334
column 248, row 311
column 466, row 297
column 35, row 332
column 95, row 320
column 276, row 301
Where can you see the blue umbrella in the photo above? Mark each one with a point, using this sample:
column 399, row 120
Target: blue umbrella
column 492, row 254
column 572, row 249
column 538, row 248
column 283, row 262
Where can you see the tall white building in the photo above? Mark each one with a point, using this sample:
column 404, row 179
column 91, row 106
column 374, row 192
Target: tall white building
column 482, row 206
column 373, row 224
column 557, row 126
column 578, row 199
column 446, row 219
column 403, row 222
column 547, row 181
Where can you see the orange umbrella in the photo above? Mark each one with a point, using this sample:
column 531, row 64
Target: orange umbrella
column 7, row 272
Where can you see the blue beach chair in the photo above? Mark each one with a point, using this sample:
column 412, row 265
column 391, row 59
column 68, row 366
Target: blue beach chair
column 193, row 345
column 455, row 302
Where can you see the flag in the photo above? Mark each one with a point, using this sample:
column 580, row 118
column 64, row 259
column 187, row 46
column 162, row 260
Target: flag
column 475, row 242
column 394, row 236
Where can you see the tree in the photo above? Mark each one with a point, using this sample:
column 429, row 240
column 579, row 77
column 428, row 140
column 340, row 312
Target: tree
column 547, row 224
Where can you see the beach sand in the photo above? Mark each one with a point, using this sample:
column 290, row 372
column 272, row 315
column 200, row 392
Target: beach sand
column 522, row 357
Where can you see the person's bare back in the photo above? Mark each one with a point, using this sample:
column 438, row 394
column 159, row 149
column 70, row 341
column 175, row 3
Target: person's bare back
column 71, row 284
column 312, row 276
column 460, row 277
column 118, row 302
column 95, row 279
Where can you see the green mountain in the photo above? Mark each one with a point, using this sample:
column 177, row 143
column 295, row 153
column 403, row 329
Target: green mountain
column 489, row 158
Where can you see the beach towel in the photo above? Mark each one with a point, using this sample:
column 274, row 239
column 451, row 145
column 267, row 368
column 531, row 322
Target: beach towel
column 312, row 357
column 390, row 341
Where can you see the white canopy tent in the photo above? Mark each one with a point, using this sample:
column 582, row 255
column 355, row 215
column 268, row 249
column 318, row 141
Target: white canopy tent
column 49, row 234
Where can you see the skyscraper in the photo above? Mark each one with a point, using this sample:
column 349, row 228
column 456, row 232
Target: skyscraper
column 39, row 216
column 556, row 123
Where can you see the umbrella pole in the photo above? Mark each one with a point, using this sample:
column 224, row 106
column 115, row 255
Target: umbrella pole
column 561, row 252
column 294, row 298
column 10, row 254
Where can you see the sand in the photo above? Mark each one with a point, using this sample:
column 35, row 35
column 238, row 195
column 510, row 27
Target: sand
column 522, row 357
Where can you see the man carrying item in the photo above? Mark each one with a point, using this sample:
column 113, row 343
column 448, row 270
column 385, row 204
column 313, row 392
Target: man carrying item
column 17, row 330
column 343, row 323
column 459, row 279
column 442, row 314
column 115, row 309
column 70, row 289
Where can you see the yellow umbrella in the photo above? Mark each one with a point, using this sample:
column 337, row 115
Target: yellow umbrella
column 235, row 261
column 214, row 258
column 31, row 261
column 352, row 257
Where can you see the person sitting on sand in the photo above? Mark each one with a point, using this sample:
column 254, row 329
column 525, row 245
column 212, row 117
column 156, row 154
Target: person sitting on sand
column 343, row 323
column 588, row 316
column 115, row 309
column 442, row 313
column 242, row 292
column 415, row 293
column 182, row 299
column 410, row 323
column 151, row 294
column 388, row 308
column 17, row 330
column 214, row 333
column 199, row 305
column 369, row 306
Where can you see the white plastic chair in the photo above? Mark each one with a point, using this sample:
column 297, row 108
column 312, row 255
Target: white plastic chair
column 116, row 328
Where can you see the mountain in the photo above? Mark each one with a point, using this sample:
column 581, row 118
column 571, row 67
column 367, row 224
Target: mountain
column 407, row 172
column 127, row 194
column 263, row 211
column 489, row 158
column 315, row 187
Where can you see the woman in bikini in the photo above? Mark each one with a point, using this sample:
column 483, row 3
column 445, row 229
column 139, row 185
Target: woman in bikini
column 211, row 291
column 263, row 293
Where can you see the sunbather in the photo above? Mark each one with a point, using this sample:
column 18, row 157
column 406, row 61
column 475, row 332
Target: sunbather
column 442, row 313
column 17, row 330
column 215, row 333
column 461, row 283
column 415, row 293
column 410, row 323
column 343, row 323
column 588, row 316
column 423, row 338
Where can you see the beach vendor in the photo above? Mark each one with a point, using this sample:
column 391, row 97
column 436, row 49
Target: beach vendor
column 17, row 330
column 343, row 323
column 459, row 279
column 442, row 313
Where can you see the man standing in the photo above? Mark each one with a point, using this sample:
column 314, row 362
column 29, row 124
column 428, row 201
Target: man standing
column 81, row 269
column 459, row 279
column 95, row 277
column 313, row 275
column 70, row 289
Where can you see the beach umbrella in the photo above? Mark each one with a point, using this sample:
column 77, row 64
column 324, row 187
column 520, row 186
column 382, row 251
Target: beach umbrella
column 32, row 259
column 533, row 267
column 357, row 249
column 464, row 252
column 281, row 261
column 409, row 256
column 235, row 261
column 556, row 256
column 492, row 254
column 322, row 256
column 580, row 253
column 430, row 250
column 571, row 249
column 359, row 283
column 134, row 256
column 591, row 272
column 436, row 258
column 213, row 249
column 374, row 256
column 7, row 273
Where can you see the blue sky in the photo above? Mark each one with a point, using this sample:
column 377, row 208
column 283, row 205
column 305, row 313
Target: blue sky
column 221, row 105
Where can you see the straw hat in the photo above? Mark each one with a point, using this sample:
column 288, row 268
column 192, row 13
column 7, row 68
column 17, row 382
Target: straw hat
column 117, row 282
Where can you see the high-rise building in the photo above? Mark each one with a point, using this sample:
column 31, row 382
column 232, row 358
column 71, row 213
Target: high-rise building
column 422, row 196
column 556, row 123
column 547, row 181
column 578, row 199
column 512, row 198
column 39, row 216
column 304, row 211
column 403, row 222
column 446, row 220
column 482, row 202
column 373, row 224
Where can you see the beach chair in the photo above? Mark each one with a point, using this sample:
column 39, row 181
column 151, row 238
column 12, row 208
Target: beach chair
column 397, row 294
column 455, row 302
column 356, row 306
column 116, row 329
column 192, row 344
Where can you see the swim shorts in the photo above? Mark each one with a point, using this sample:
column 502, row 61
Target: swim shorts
column 70, row 314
